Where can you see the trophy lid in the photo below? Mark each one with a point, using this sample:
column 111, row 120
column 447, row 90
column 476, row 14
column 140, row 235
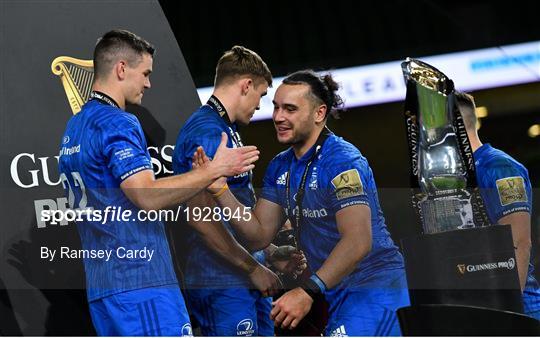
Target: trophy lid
column 426, row 75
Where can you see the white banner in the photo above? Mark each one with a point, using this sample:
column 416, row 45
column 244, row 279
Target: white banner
column 383, row 82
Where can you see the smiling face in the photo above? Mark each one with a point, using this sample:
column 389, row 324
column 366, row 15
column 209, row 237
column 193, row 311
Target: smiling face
column 137, row 79
column 294, row 114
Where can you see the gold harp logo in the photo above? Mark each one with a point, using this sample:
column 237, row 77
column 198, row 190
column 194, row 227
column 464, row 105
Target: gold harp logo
column 76, row 76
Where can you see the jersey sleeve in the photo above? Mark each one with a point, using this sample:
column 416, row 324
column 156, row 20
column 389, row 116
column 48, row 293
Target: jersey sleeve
column 124, row 147
column 270, row 184
column 345, row 184
column 209, row 139
column 507, row 190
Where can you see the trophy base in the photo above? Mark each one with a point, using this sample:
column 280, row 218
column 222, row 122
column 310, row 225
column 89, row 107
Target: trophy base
column 469, row 267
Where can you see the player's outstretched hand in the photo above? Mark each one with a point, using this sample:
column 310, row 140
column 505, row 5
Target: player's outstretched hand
column 267, row 282
column 290, row 308
column 234, row 161
column 199, row 160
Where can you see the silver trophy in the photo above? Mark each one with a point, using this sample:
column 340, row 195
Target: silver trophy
column 443, row 172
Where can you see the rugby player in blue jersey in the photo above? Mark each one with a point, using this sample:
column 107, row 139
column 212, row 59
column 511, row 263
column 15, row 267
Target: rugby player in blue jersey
column 325, row 187
column 506, row 191
column 219, row 293
column 104, row 163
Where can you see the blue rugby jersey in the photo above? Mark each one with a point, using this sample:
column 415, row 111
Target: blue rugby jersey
column 204, row 267
column 339, row 177
column 102, row 146
column 505, row 188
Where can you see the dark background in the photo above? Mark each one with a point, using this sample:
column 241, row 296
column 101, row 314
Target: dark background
column 325, row 35
column 333, row 34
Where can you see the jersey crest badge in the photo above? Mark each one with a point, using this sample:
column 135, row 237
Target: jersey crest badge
column 511, row 190
column 348, row 184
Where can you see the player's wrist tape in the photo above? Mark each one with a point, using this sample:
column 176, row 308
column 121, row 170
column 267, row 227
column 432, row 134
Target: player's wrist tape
column 221, row 191
column 313, row 286
column 320, row 283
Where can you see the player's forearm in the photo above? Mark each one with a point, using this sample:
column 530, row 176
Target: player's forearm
column 248, row 227
column 520, row 223
column 343, row 259
column 170, row 191
column 523, row 256
column 223, row 243
column 219, row 239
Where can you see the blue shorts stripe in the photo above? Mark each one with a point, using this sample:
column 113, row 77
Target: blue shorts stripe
column 156, row 319
column 207, row 320
column 387, row 321
column 149, row 318
column 143, row 323
column 390, row 325
column 211, row 318
column 381, row 324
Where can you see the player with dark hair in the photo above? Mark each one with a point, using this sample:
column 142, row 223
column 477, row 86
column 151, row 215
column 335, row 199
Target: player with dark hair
column 506, row 190
column 325, row 187
column 218, row 292
column 118, row 44
column 104, row 164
